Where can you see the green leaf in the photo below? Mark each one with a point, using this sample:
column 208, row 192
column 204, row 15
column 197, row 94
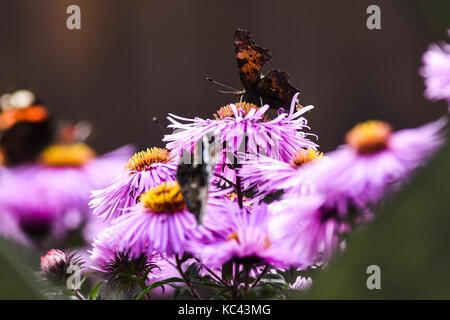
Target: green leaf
column 221, row 293
column 261, row 292
column 17, row 281
column 95, row 290
column 156, row 285
column 273, row 278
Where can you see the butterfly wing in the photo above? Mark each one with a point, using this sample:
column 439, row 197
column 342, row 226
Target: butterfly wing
column 25, row 128
column 24, row 141
column 250, row 58
column 275, row 89
column 194, row 175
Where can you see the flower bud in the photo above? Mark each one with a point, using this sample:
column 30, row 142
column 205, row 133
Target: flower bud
column 55, row 263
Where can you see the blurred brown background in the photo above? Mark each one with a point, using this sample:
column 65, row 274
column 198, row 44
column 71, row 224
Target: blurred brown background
column 136, row 59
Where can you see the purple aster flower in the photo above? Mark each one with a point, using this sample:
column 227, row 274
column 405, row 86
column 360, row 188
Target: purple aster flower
column 217, row 222
column 160, row 222
column 374, row 161
column 436, row 71
column 301, row 284
column 31, row 217
column 271, row 175
column 47, row 199
column 244, row 238
column 244, row 127
column 35, row 209
column 113, row 263
column 145, row 170
column 306, row 228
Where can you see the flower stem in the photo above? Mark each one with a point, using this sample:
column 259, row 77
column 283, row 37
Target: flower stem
column 238, row 185
column 213, row 274
column 185, row 278
column 234, row 292
column 247, row 274
column 144, row 287
column 240, row 196
column 225, row 179
column 259, row 277
column 78, row 294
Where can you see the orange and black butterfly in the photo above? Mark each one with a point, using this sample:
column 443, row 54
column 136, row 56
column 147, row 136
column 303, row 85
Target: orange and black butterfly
column 274, row 88
column 25, row 127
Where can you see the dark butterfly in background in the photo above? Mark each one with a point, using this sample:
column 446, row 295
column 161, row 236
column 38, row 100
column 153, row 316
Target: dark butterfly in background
column 25, row 127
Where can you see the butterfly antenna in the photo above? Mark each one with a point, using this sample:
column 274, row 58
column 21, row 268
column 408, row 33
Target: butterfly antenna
column 232, row 92
column 223, row 85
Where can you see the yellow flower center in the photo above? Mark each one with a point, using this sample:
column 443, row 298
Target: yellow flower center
column 227, row 111
column 234, row 236
column 63, row 155
column 143, row 160
column 166, row 197
column 303, row 156
column 369, row 137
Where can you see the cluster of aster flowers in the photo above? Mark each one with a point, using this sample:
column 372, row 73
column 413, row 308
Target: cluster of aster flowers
column 285, row 208
column 277, row 208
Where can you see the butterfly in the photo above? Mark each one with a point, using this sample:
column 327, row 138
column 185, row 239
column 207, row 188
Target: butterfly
column 25, row 127
column 274, row 88
column 193, row 176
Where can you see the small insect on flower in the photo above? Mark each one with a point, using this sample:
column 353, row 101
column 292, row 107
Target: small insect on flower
column 159, row 222
column 144, row 170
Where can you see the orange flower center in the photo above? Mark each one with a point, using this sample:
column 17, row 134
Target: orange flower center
column 369, row 137
column 245, row 107
column 143, row 160
column 234, row 236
